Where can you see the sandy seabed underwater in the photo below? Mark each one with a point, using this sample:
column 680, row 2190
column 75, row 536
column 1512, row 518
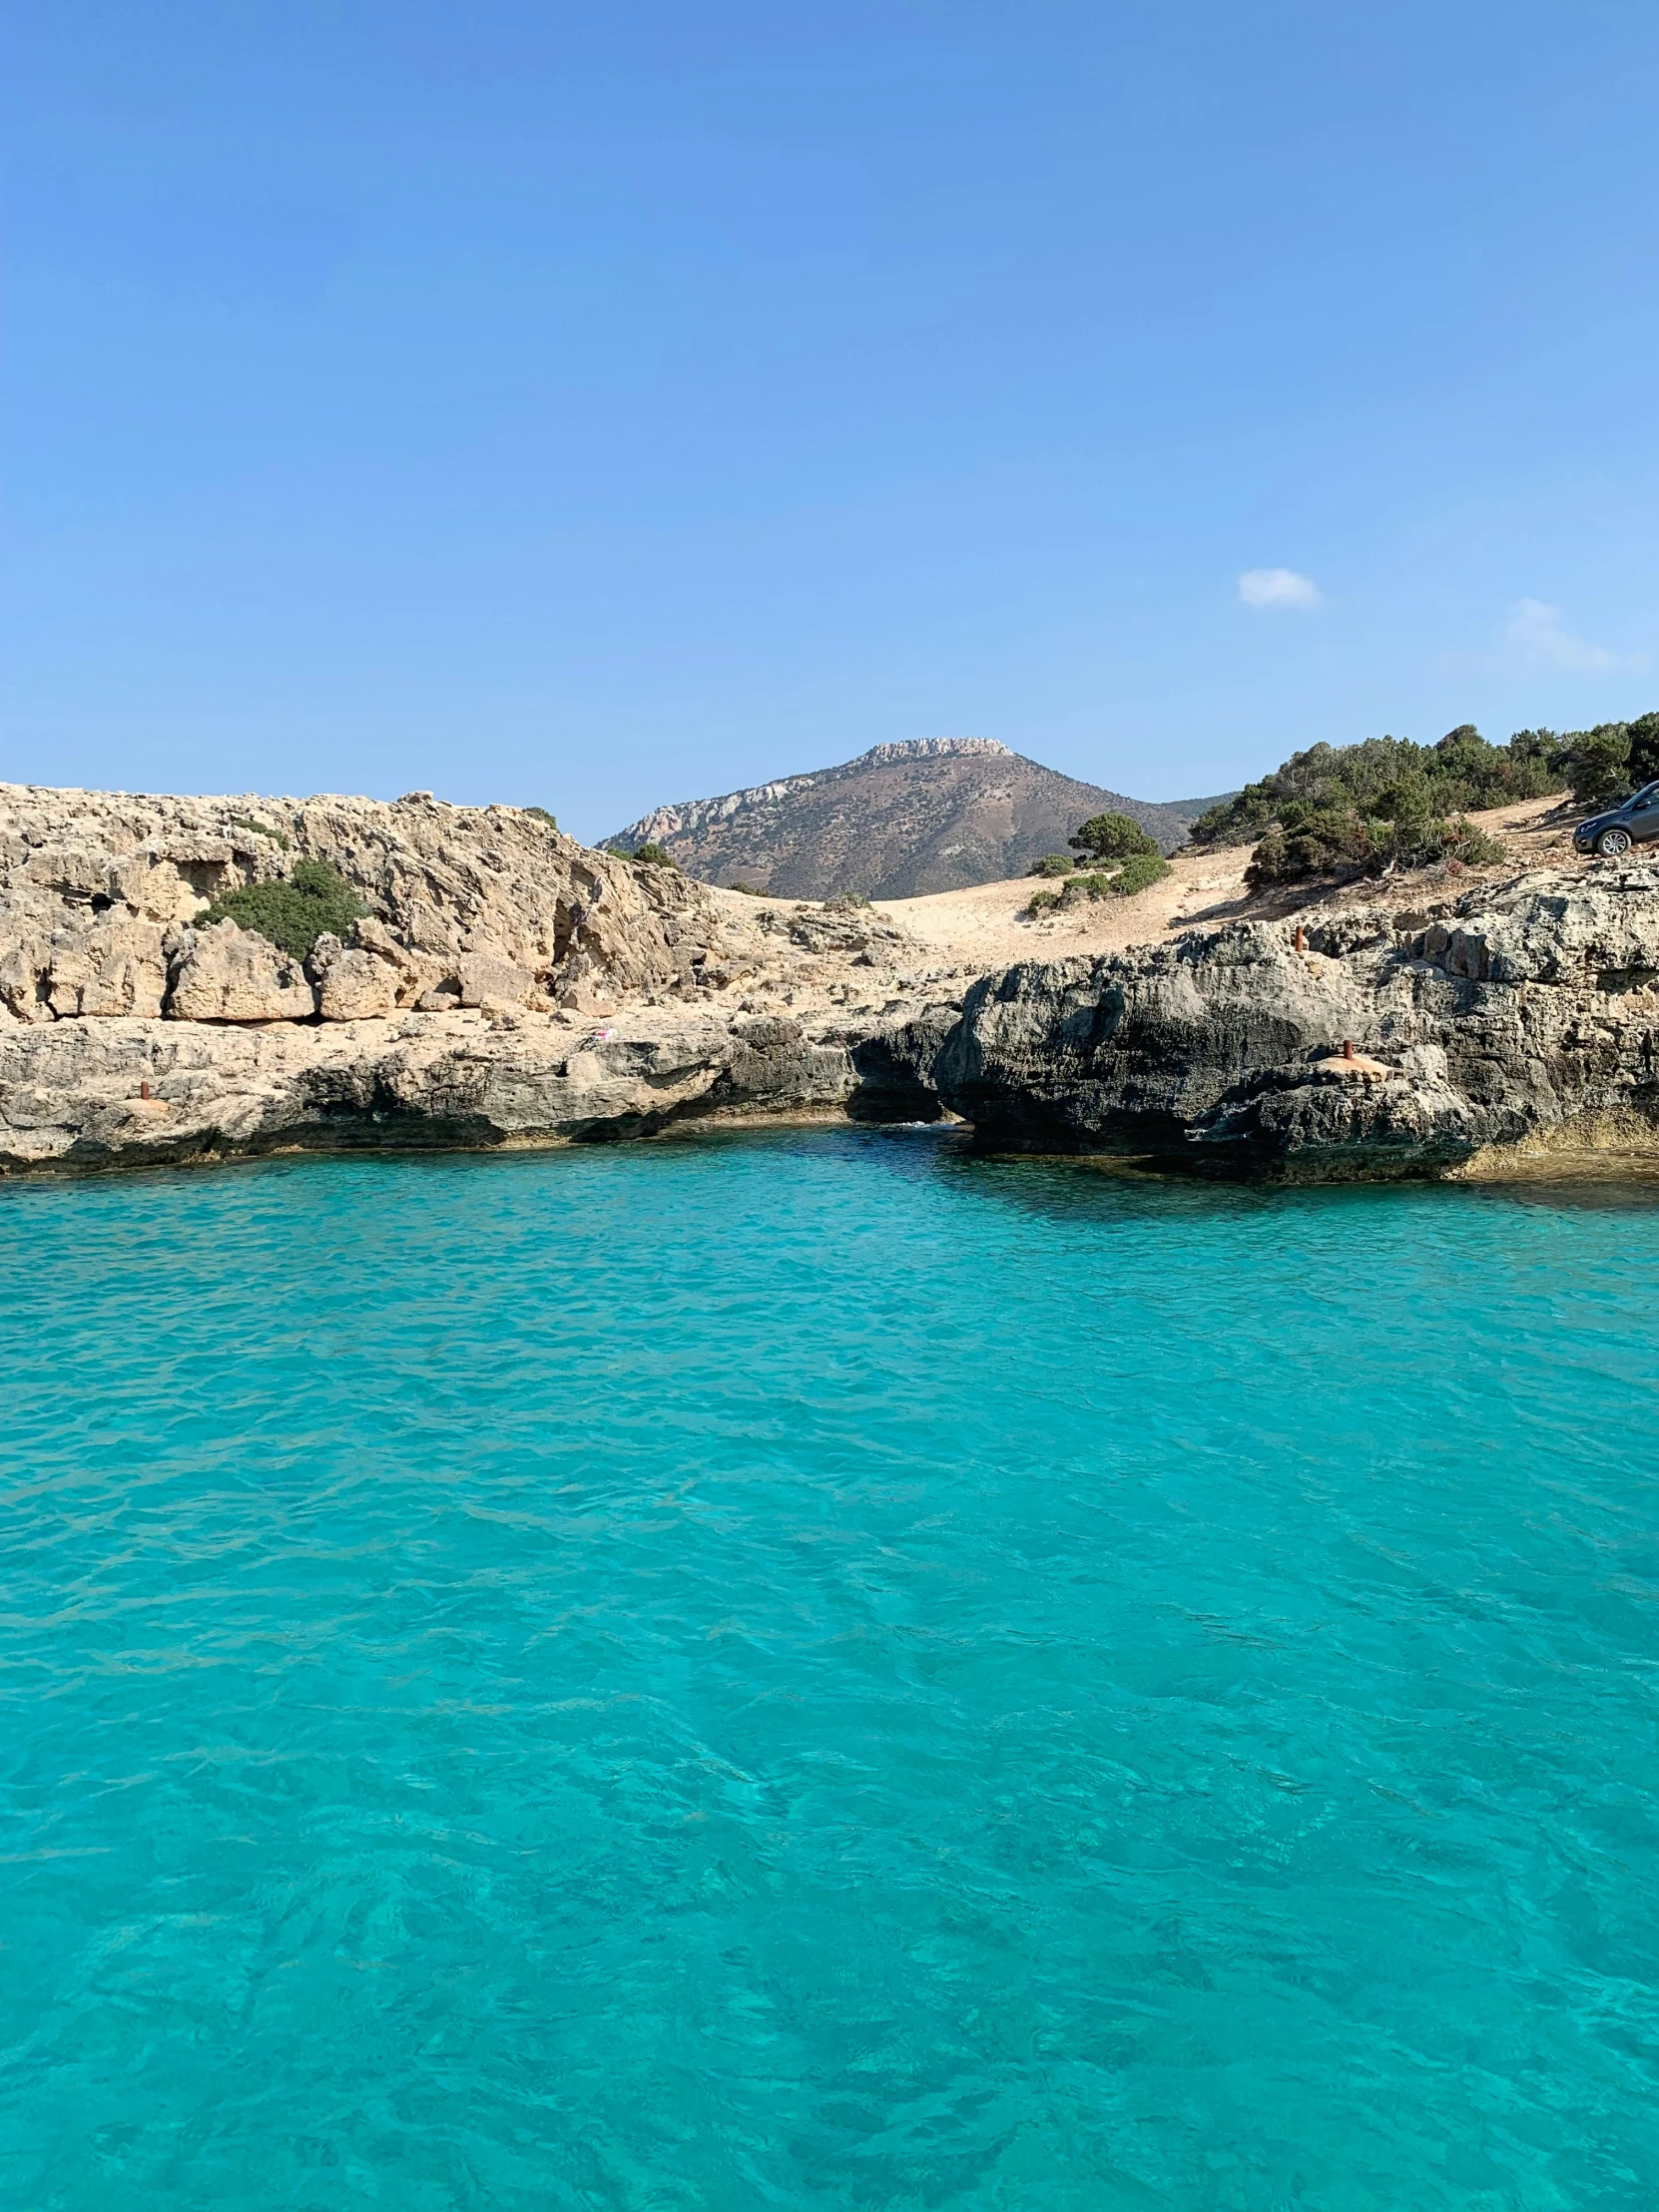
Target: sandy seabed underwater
column 817, row 1670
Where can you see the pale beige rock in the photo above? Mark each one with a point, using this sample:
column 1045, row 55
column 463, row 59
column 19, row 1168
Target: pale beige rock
column 606, row 996
column 357, row 987
column 355, row 984
column 490, row 982
column 71, row 1091
column 231, row 975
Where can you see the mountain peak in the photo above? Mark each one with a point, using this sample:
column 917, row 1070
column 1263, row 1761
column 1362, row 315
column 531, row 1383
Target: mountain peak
column 924, row 814
column 929, row 748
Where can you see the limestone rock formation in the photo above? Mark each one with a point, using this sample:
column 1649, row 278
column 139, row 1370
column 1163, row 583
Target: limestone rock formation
column 231, row 975
column 1526, row 1019
column 92, row 882
column 88, row 1094
column 507, row 986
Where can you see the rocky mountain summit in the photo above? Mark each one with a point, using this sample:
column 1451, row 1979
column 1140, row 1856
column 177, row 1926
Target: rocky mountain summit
column 933, row 815
column 503, row 984
column 1514, row 1027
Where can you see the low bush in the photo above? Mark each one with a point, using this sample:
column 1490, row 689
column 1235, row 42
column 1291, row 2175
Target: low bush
column 1136, row 873
column 541, row 813
column 1094, row 884
column 1042, row 903
column 1139, row 873
column 845, row 903
column 654, row 856
column 1052, row 864
column 262, row 829
column 313, row 901
column 1341, row 841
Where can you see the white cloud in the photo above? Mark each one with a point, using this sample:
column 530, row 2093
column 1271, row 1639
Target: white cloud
column 1535, row 627
column 1278, row 587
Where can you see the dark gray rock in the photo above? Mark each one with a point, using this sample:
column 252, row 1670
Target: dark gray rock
column 1527, row 1017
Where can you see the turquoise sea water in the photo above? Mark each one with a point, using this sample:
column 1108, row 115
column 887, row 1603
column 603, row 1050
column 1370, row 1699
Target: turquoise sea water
column 814, row 1670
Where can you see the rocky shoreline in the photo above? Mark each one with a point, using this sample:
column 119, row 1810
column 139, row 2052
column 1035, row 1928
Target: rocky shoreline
column 507, row 986
column 1518, row 1025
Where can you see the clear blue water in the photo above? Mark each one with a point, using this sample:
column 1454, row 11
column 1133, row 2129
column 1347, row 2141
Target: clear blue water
column 816, row 1671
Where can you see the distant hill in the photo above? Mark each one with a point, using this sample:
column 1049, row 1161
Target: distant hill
column 933, row 815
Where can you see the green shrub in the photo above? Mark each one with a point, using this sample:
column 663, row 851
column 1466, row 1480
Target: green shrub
column 654, row 856
column 541, row 813
column 1094, row 884
column 749, row 890
column 1052, row 864
column 1429, row 782
column 1040, row 902
column 1139, row 873
column 1612, row 759
column 845, row 903
column 1112, row 837
column 262, row 829
column 293, row 914
column 1332, row 840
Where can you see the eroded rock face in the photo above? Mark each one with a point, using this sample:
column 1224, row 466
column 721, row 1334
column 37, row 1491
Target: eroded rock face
column 73, row 1094
column 92, row 881
column 354, row 984
column 1528, row 1015
column 231, row 975
column 507, row 986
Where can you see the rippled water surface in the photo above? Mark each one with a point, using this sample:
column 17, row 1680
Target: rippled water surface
column 816, row 1671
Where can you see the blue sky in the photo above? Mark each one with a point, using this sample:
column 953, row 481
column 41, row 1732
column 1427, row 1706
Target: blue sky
column 595, row 407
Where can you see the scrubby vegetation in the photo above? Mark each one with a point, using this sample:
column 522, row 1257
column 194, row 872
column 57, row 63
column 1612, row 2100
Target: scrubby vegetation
column 294, row 915
column 654, row 856
column 1313, row 842
column 1611, row 761
column 845, row 903
column 1113, row 838
column 1052, row 864
column 1139, row 873
column 1360, row 809
column 541, row 813
column 1135, row 874
column 262, row 829
column 1388, row 777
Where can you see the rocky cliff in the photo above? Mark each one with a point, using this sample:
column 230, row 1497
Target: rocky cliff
column 933, row 815
column 1520, row 1025
column 504, row 985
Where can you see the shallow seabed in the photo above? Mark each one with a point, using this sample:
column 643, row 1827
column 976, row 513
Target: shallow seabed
column 816, row 1670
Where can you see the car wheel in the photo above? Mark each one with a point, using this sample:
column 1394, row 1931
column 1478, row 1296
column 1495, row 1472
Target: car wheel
column 1612, row 844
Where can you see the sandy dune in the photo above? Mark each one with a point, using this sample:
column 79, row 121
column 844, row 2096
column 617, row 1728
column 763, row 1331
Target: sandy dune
column 987, row 926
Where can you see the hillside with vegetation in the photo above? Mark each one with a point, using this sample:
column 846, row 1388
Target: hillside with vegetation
column 1361, row 810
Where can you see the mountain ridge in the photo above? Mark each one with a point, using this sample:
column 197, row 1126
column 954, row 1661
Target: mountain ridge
column 898, row 820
